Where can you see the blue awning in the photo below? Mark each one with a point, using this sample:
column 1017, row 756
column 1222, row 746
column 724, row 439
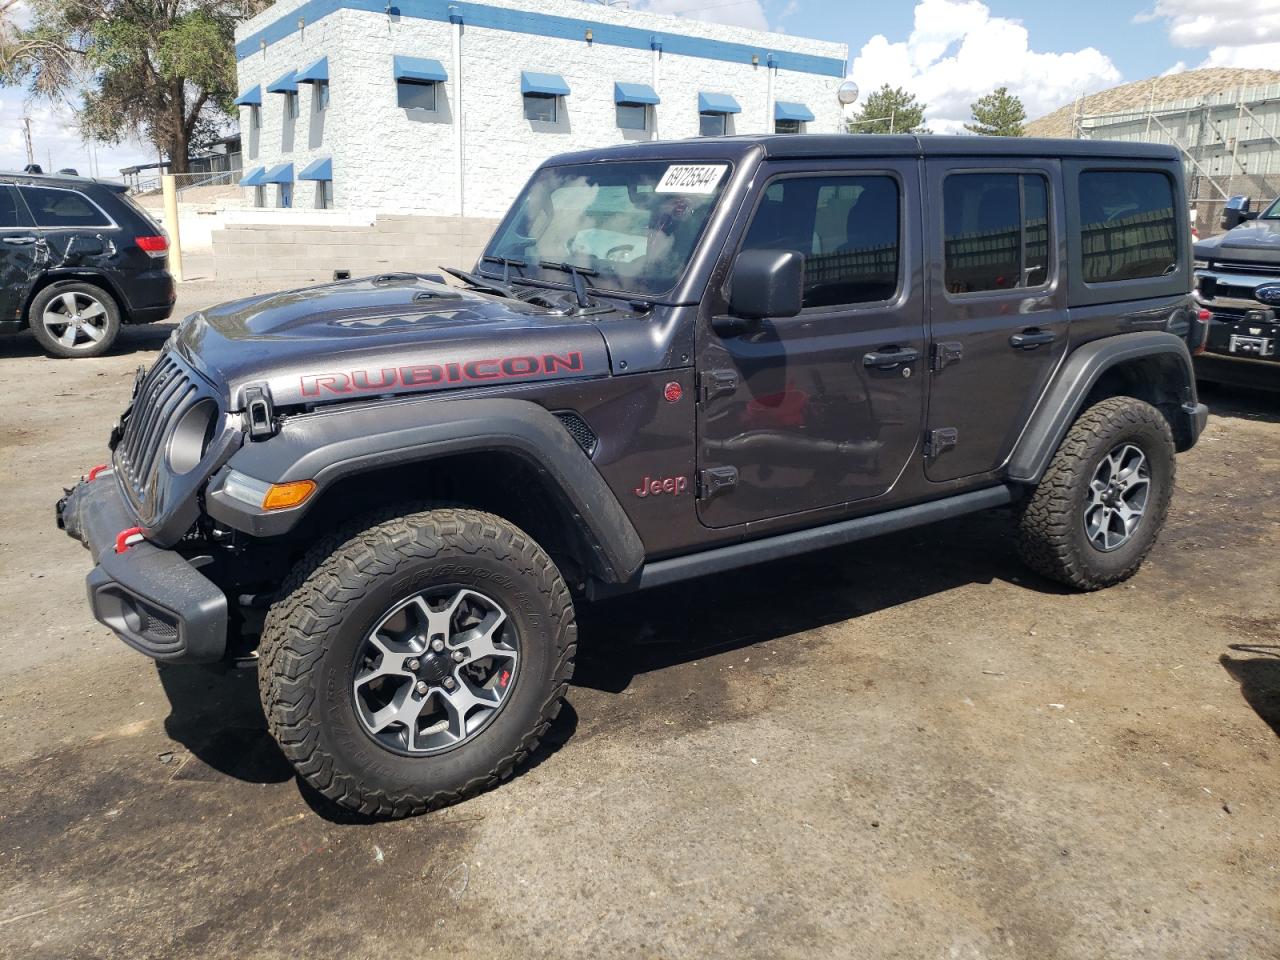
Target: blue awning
column 543, row 84
column 286, row 84
column 318, row 72
column 321, row 169
column 280, row 173
column 634, row 94
column 717, row 103
column 418, row 70
column 253, row 178
column 792, row 111
column 250, row 98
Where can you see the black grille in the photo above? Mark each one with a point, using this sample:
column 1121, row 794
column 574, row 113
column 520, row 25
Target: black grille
column 582, row 434
column 167, row 392
column 1232, row 266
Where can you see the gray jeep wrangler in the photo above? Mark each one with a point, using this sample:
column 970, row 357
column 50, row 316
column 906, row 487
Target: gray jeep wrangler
column 672, row 359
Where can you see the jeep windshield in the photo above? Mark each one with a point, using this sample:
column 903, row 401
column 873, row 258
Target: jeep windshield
column 628, row 227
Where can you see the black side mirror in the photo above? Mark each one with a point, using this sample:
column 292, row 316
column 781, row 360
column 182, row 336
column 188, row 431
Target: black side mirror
column 1235, row 211
column 80, row 247
column 767, row 283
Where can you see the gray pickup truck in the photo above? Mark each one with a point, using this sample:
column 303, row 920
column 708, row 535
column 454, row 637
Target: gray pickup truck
column 672, row 359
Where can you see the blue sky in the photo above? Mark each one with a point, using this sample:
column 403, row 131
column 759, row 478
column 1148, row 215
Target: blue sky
column 947, row 52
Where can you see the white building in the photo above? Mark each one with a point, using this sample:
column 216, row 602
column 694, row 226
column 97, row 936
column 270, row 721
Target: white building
column 432, row 107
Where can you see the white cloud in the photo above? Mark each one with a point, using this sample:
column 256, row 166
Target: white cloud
column 56, row 140
column 735, row 13
column 958, row 51
column 1239, row 33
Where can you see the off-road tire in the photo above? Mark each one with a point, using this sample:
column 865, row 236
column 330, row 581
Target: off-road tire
column 1051, row 531
column 344, row 584
column 110, row 324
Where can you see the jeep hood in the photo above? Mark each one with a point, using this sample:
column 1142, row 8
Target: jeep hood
column 384, row 335
column 1252, row 240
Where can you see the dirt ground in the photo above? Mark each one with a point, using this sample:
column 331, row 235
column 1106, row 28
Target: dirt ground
column 909, row 747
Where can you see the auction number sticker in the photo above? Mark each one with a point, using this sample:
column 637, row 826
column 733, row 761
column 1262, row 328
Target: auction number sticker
column 699, row 178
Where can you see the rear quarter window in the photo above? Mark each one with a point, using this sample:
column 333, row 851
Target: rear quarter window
column 55, row 207
column 1128, row 226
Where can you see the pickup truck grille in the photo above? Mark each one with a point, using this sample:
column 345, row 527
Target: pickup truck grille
column 167, row 391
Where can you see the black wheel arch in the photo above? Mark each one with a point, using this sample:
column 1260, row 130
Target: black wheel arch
column 74, row 275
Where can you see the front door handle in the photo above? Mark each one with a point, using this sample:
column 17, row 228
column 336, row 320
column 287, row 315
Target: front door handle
column 1032, row 338
column 19, row 241
column 889, row 358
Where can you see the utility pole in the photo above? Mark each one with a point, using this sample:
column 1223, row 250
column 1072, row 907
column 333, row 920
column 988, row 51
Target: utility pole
column 26, row 132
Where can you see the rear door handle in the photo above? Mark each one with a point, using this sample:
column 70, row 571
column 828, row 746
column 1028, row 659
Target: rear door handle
column 19, row 241
column 1030, row 339
column 889, row 358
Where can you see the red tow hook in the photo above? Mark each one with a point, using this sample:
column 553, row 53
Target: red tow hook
column 127, row 538
column 93, row 474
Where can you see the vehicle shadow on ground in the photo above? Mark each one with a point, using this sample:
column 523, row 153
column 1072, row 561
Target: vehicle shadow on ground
column 1242, row 403
column 145, row 338
column 1259, row 679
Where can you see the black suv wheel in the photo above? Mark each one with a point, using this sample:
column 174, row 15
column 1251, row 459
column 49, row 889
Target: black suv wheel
column 1096, row 513
column 417, row 662
column 74, row 319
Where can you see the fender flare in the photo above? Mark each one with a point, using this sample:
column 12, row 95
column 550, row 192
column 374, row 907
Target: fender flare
column 338, row 442
column 1062, row 401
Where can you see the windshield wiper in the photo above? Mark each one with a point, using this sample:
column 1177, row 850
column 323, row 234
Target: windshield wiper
column 576, row 273
column 481, row 284
column 507, row 264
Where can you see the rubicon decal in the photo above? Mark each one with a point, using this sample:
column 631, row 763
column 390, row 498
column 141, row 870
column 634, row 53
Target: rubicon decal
column 385, row 379
column 657, row 486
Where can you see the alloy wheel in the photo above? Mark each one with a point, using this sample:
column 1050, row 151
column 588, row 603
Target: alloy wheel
column 76, row 320
column 1117, row 497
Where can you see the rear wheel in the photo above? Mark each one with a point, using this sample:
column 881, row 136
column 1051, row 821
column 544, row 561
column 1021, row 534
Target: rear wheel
column 74, row 320
column 417, row 662
column 1100, row 506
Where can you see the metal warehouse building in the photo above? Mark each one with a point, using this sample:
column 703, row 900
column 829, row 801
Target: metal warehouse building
column 425, row 106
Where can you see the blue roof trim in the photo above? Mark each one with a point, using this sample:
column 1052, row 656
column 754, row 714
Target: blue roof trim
column 717, row 103
column 543, row 84
column 635, row 94
column 792, row 111
column 544, row 25
column 250, row 98
column 318, row 72
column 280, row 173
column 286, row 84
column 418, row 70
column 253, row 178
column 321, row 169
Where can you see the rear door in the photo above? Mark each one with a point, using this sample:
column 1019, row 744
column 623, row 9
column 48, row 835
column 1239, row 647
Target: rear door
column 20, row 252
column 998, row 307
column 813, row 411
column 60, row 214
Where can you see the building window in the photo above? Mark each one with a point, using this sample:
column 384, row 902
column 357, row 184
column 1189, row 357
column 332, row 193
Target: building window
column 285, row 197
column 416, row 96
column 540, row 108
column 788, row 126
column 324, row 194
column 633, row 116
column 995, row 231
column 255, row 117
column 291, row 106
column 259, row 196
column 711, row 124
column 1128, row 230
column 320, row 96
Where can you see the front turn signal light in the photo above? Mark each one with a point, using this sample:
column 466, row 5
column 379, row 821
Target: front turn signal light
column 282, row 496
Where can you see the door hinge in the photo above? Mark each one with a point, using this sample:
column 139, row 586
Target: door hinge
column 938, row 442
column 715, row 481
column 945, row 352
column 714, row 383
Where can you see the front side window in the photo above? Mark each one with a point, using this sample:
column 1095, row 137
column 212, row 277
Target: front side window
column 631, row 226
column 415, row 96
column 995, row 231
column 711, row 124
column 847, row 227
column 1128, row 229
column 788, row 126
column 633, row 116
column 540, row 108
column 62, row 208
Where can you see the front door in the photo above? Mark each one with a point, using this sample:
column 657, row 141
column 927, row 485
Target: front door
column 824, row 408
column 998, row 314
column 20, row 247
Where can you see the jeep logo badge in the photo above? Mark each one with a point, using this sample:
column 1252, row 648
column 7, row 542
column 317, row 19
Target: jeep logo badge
column 1268, row 293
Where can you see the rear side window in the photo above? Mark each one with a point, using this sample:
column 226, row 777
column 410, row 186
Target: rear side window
column 846, row 227
column 11, row 214
column 62, row 208
column 995, row 231
column 1128, row 230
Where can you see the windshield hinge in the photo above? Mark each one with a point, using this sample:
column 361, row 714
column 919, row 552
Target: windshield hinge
column 259, row 415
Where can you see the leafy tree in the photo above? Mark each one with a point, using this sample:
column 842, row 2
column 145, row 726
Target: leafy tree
column 998, row 114
column 890, row 110
column 162, row 70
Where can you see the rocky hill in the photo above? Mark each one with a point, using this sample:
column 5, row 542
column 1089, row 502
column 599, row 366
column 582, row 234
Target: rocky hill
column 1136, row 95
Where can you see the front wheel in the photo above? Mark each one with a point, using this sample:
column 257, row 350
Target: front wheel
column 1096, row 513
column 417, row 662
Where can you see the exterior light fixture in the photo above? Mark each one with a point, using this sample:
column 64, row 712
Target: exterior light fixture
column 302, row 22
column 755, row 59
column 589, row 35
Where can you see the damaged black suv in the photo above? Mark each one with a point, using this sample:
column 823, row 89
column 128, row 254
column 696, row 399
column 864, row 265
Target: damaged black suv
column 673, row 359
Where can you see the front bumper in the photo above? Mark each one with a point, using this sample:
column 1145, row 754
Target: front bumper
column 155, row 600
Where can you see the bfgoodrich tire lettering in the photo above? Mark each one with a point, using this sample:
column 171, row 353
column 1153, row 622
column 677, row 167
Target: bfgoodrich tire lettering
column 318, row 628
column 1052, row 531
